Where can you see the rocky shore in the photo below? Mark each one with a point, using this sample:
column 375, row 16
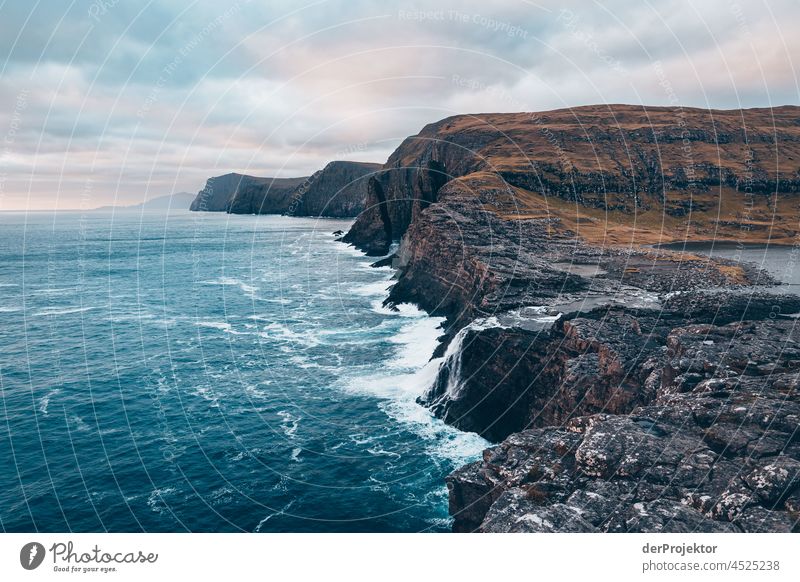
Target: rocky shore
column 628, row 388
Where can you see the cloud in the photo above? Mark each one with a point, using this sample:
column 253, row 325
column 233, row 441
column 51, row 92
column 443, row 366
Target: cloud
column 138, row 100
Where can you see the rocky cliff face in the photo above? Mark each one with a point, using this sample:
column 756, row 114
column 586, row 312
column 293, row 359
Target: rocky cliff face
column 589, row 169
column 243, row 194
column 716, row 449
column 338, row 190
column 266, row 196
column 527, row 232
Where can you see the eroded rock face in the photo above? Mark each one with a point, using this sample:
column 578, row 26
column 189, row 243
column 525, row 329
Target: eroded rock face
column 567, row 165
column 242, row 194
column 338, row 190
column 613, row 414
column 715, row 452
column 509, row 379
column 266, row 196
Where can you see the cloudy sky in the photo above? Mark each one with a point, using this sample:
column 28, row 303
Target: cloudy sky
column 116, row 101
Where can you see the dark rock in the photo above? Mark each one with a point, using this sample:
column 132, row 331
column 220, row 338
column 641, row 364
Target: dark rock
column 545, row 371
column 632, row 388
column 514, row 512
column 775, row 481
column 385, row 262
column 664, row 516
column 689, row 460
column 243, row 194
column 760, row 520
column 338, row 190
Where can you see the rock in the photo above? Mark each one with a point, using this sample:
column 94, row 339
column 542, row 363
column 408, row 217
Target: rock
column 596, row 507
column 792, row 505
column 664, row 516
column 760, row 520
column 621, row 158
column 544, row 371
column 513, row 512
column 659, row 468
column 470, row 497
column 472, row 394
column 243, row 194
column 776, row 480
column 630, row 388
column 338, row 190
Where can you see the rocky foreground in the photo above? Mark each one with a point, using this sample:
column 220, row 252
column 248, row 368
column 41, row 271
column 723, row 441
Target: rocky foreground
column 629, row 388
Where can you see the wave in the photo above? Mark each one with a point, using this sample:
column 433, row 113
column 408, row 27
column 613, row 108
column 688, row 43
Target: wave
column 247, row 289
column 221, row 326
column 79, row 424
column 282, row 332
column 367, row 266
column 61, row 311
column 156, row 500
column 258, row 317
column 289, row 423
column 417, row 340
column 401, row 310
column 370, row 289
column 44, row 402
column 399, row 393
column 296, row 454
column 253, row 392
column 408, row 375
column 221, row 496
column 207, row 394
column 281, row 511
column 347, row 249
column 54, row 291
column 303, row 362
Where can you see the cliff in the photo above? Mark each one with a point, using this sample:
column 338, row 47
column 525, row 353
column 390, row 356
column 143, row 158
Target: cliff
column 244, row 194
column 712, row 446
column 679, row 171
column 531, row 233
column 338, row 190
column 265, row 196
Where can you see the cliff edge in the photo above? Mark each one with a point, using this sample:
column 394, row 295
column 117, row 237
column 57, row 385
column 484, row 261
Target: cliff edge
column 601, row 365
column 338, row 190
column 242, row 194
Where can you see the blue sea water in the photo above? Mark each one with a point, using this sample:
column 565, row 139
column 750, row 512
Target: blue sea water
column 206, row 372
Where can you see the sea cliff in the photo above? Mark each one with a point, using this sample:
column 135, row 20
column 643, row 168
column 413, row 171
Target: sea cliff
column 242, row 194
column 338, row 190
column 629, row 388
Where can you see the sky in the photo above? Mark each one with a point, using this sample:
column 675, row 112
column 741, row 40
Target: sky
column 118, row 101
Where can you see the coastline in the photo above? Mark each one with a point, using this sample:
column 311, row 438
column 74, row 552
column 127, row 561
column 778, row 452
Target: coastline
column 619, row 364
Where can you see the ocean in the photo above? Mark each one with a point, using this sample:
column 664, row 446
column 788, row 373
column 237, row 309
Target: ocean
column 206, row 372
